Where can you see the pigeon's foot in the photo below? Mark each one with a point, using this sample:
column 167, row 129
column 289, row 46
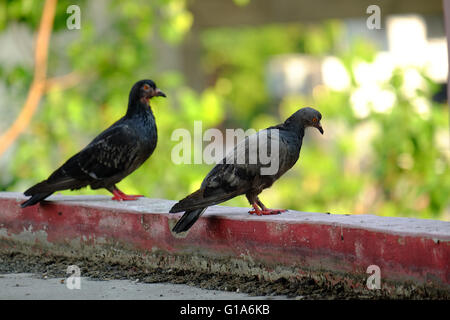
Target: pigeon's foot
column 125, row 198
column 265, row 211
column 120, row 196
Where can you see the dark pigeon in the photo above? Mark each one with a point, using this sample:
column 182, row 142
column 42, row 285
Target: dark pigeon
column 237, row 174
column 112, row 155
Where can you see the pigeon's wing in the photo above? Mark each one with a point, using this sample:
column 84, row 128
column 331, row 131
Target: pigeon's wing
column 235, row 174
column 108, row 155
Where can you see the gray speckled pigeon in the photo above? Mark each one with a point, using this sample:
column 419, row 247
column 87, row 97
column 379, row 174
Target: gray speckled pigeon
column 229, row 179
column 112, row 155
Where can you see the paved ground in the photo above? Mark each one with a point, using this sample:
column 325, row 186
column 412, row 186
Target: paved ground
column 29, row 286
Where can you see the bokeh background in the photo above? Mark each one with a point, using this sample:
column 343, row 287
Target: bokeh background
column 244, row 64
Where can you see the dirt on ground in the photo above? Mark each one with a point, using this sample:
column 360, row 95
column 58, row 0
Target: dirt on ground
column 49, row 266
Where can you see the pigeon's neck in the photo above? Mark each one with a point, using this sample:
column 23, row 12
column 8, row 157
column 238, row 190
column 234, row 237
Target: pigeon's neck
column 138, row 108
column 297, row 127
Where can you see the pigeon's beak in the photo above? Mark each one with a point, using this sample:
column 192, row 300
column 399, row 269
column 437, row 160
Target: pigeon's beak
column 159, row 93
column 319, row 127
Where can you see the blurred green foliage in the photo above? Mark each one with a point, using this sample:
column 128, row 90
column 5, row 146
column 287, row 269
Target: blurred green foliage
column 399, row 170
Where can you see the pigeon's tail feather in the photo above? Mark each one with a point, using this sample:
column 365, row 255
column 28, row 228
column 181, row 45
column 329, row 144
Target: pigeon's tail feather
column 189, row 202
column 43, row 189
column 35, row 199
column 55, row 184
column 37, row 188
column 188, row 219
column 197, row 200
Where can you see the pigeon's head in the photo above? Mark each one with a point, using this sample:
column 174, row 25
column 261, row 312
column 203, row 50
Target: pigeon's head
column 144, row 90
column 308, row 117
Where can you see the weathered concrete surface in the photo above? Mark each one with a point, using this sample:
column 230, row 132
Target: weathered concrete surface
column 228, row 240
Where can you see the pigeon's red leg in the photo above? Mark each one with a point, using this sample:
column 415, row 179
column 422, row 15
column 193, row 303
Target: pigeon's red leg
column 264, row 210
column 120, row 196
column 117, row 195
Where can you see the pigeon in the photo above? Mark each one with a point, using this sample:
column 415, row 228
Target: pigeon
column 112, row 155
column 237, row 174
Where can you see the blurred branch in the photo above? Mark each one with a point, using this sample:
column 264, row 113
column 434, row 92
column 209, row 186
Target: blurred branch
column 39, row 81
column 62, row 82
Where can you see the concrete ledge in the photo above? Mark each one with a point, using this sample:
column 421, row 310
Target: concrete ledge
column 226, row 239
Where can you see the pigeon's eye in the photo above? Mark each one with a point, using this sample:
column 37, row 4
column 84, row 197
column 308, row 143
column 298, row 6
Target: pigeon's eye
column 146, row 87
column 314, row 120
